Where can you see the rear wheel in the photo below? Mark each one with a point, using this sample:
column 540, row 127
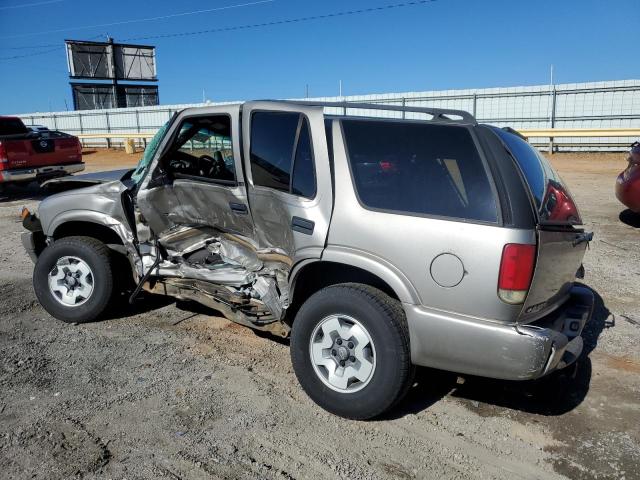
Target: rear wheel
column 350, row 350
column 73, row 279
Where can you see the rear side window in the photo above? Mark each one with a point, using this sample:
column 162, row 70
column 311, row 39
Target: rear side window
column 552, row 198
column 12, row 126
column 304, row 179
column 419, row 169
column 281, row 153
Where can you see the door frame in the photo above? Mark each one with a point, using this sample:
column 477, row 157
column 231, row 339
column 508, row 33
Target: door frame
column 306, row 246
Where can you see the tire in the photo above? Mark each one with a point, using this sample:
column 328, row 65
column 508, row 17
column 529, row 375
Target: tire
column 358, row 308
column 90, row 292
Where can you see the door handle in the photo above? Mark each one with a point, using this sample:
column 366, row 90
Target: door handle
column 302, row 225
column 239, row 208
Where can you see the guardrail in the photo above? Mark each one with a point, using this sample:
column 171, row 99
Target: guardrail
column 553, row 133
column 110, row 136
column 529, row 133
column 579, row 132
column 115, row 135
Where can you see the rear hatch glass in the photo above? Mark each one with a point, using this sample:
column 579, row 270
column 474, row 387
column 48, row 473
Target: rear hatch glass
column 559, row 255
column 419, row 169
column 552, row 198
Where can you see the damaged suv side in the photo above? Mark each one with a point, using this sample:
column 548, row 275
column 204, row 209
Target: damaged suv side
column 376, row 244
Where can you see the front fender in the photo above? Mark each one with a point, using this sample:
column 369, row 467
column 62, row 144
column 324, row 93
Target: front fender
column 123, row 230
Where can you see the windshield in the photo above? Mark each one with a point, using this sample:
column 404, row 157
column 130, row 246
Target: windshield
column 149, row 152
column 551, row 196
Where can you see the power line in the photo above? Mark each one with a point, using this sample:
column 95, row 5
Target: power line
column 48, row 45
column 36, row 4
column 28, row 47
column 286, row 21
column 140, row 20
column 259, row 25
column 33, row 54
column 55, row 46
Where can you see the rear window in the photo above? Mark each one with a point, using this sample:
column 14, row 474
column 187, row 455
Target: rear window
column 551, row 196
column 419, row 169
column 12, row 126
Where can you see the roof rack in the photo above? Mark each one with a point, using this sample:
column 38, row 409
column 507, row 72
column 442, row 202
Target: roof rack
column 438, row 114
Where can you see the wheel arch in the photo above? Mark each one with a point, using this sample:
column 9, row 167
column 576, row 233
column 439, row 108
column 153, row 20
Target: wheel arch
column 310, row 276
column 88, row 223
column 116, row 236
column 99, row 231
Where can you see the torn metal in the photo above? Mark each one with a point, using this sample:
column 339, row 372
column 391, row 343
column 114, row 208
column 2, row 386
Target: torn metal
column 227, row 272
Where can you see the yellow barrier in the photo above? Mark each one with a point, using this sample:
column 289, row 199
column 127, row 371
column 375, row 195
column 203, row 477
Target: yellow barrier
column 550, row 133
column 526, row 132
column 115, row 135
column 579, row 132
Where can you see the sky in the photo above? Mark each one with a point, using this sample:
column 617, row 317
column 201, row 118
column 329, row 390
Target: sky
column 438, row 45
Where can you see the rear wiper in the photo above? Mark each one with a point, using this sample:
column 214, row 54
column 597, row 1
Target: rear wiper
column 582, row 237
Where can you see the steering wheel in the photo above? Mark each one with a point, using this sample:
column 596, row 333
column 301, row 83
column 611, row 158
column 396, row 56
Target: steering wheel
column 212, row 167
column 178, row 165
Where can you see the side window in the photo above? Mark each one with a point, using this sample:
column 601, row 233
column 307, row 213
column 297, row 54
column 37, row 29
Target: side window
column 273, row 135
column 420, row 168
column 203, row 149
column 281, row 153
column 304, row 176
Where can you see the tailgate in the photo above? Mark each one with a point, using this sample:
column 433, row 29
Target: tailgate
column 40, row 152
column 558, row 260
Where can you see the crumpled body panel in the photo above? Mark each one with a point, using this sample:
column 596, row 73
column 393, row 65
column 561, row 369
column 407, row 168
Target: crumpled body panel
column 232, row 261
column 101, row 204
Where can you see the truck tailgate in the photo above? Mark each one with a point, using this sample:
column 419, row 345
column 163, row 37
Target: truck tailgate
column 40, row 152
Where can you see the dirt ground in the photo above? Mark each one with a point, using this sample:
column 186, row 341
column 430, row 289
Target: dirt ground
column 168, row 391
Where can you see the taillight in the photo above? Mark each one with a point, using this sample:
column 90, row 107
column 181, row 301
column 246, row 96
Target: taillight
column 516, row 271
column 3, row 157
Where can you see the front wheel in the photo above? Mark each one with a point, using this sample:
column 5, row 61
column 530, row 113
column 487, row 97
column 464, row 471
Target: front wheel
column 350, row 350
column 73, row 279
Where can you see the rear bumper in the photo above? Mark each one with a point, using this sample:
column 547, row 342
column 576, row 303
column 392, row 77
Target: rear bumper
column 28, row 174
column 510, row 352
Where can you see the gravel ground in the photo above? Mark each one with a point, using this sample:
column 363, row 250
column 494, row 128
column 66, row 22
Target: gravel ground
column 170, row 391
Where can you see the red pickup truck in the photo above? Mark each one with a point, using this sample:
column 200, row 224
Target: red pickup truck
column 26, row 155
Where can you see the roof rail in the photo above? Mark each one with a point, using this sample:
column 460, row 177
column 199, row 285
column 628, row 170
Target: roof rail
column 439, row 114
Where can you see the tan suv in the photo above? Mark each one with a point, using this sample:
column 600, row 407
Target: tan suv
column 377, row 237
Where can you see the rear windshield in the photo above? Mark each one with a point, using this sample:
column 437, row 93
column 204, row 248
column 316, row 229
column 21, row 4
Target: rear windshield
column 12, row 126
column 551, row 196
column 419, row 168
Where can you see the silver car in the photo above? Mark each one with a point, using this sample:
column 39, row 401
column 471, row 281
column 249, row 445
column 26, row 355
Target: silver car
column 376, row 241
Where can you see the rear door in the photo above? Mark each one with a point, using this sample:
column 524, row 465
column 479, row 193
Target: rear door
column 560, row 244
column 288, row 177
